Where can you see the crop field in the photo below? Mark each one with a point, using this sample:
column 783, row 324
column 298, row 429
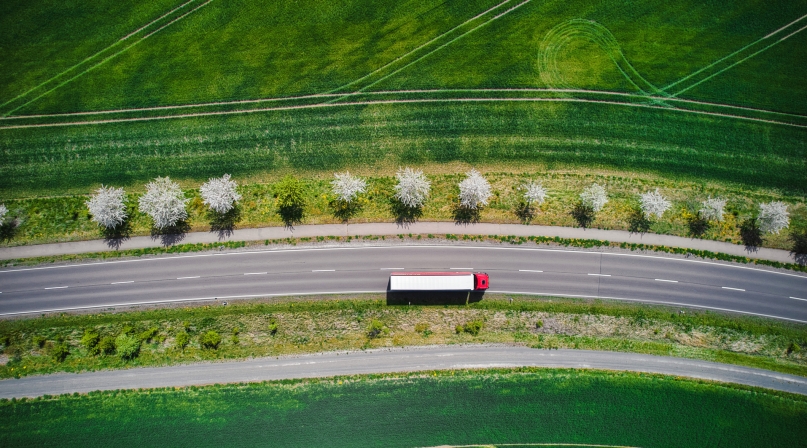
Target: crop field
column 117, row 94
column 525, row 406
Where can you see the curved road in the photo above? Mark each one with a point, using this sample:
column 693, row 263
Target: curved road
column 392, row 360
column 653, row 279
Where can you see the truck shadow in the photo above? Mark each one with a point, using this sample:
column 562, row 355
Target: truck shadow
column 433, row 297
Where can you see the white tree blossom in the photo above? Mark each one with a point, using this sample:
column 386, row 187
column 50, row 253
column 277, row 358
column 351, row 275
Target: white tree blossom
column 220, row 193
column 164, row 202
column 773, row 217
column 3, row 212
column 654, row 203
column 347, row 187
column 594, row 196
column 712, row 209
column 534, row 193
column 474, row 190
column 107, row 206
column 413, row 187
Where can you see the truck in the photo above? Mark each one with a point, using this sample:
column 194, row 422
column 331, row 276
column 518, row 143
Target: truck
column 438, row 281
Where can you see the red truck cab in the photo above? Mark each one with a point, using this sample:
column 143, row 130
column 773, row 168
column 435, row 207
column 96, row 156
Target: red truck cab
column 482, row 281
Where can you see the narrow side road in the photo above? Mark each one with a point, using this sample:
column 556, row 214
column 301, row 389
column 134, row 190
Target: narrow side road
column 410, row 359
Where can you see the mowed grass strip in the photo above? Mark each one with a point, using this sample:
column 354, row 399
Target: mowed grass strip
column 422, row 409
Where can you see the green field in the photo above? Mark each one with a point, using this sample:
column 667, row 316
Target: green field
column 648, row 69
column 440, row 408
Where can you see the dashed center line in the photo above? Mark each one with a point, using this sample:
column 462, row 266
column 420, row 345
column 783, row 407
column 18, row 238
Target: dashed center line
column 255, row 273
column 462, row 269
column 324, row 270
column 796, row 298
column 733, row 289
column 669, row 281
column 392, row 269
column 120, row 283
column 528, row 270
column 183, row 278
column 57, row 287
column 601, row 275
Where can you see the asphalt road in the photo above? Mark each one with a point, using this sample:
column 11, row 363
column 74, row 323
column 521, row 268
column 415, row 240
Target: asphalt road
column 392, row 360
column 226, row 276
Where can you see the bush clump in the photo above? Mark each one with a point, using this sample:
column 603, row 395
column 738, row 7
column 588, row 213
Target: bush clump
column 127, row 346
column 376, row 329
column 272, row 326
column 210, row 340
column 149, row 334
column 60, row 352
column 90, row 341
column 473, row 327
column 182, row 340
column 106, row 346
column 39, row 341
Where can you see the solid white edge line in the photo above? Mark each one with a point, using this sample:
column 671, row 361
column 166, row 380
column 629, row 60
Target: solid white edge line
column 324, row 270
column 184, row 278
column 528, row 270
column 461, row 269
column 57, row 287
column 733, row 289
column 392, row 269
column 251, row 252
column 155, row 302
column 648, row 301
column 120, row 283
column 794, row 298
column 669, row 281
column 255, row 273
column 601, row 275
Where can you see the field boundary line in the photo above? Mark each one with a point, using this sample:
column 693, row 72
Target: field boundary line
column 96, row 54
column 408, row 91
column 103, row 61
column 418, row 47
column 702, row 69
column 409, row 101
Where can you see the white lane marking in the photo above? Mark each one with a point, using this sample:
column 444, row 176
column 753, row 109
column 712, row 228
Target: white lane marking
column 601, row 275
column 528, row 270
column 183, row 278
column 57, row 287
column 645, row 301
column 414, row 246
column 796, row 298
column 668, row 281
column 324, row 270
column 392, row 269
column 462, row 269
column 733, row 289
column 198, row 299
column 255, row 273
column 120, row 283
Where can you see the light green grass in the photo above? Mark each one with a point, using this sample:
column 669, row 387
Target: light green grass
column 487, row 407
column 253, row 49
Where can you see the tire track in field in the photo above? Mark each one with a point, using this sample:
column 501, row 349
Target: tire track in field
column 108, row 58
column 407, row 101
column 410, row 91
column 89, row 58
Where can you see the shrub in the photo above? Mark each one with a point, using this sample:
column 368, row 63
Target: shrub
column 164, row 202
column 3, row 212
column 773, row 217
column 473, row 327
column 90, row 341
column 210, row 340
column 376, row 329
column 654, row 204
column 793, row 347
column 182, row 340
column 127, row 346
column 712, row 209
column 539, row 324
column 290, row 194
column 39, row 341
column 534, row 193
column 60, row 352
column 106, row 346
column 594, row 197
column 347, row 187
column 412, row 188
column 474, row 191
column 149, row 334
column 234, row 338
column 220, row 194
column 421, row 327
column 272, row 327
column 107, row 206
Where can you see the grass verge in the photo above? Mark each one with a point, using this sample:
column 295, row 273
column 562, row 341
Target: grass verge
column 273, row 327
column 479, row 407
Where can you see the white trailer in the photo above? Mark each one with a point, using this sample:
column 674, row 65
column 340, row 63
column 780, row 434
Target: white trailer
column 438, row 281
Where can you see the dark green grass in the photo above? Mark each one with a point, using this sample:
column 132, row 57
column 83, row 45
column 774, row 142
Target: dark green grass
column 476, row 407
column 674, row 144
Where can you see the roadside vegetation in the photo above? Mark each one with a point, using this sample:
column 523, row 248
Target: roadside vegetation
column 445, row 408
column 275, row 327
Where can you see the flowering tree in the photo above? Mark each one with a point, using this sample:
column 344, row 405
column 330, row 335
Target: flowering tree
column 594, row 197
column 107, row 206
column 3, row 213
column 347, row 187
column 654, row 203
column 164, row 202
column 474, row 190
column 712, row 209
column 534, row 193
column 773, row 217
column 220, row 194
column 413, row 187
